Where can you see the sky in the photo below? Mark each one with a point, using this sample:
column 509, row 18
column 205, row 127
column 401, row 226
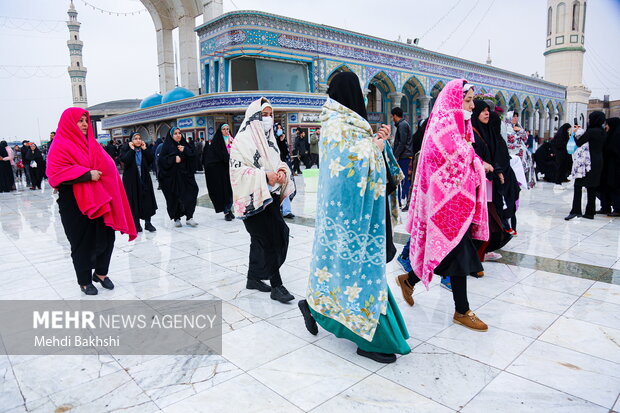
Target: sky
column 120, row 52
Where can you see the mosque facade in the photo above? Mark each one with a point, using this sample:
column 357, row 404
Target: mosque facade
column 248, row 54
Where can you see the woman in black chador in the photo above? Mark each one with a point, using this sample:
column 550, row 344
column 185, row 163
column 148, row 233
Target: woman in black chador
column 176, row 177
column 138, row 158
column 7, row 182
column 34, row 157
column 215, row 158
column 563, row 161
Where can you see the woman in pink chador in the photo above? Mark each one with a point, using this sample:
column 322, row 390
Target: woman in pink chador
column 448, row 202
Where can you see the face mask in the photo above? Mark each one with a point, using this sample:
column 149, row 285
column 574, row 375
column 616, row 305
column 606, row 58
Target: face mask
column 279, row 132
column 267, row 123
column 467, row 114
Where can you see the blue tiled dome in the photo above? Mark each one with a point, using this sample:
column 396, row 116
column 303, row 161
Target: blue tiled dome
column 153, row 100
column 177, row 93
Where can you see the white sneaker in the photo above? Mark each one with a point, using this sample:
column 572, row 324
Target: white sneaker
column 492, row 256
column 191, row 222
column 177, row 223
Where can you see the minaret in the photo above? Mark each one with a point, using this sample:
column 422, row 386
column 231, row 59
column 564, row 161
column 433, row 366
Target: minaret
column 489, row 61
column 564, row 54
column 77, row 71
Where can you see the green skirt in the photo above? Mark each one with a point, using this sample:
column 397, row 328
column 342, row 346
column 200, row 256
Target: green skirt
column 390, row 337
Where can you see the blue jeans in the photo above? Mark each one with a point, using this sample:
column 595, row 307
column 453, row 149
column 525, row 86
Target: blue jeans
column 286, row 206
column 404, row 166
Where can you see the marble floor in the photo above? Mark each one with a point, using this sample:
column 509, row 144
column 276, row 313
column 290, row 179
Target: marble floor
column 552, row 304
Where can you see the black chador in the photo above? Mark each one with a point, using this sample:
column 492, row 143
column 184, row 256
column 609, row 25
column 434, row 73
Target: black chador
column 176, row 179
column 215, row 158
column 137, row 181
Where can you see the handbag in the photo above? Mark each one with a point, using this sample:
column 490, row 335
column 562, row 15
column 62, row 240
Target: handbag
column 33, row 164
column 20, row 165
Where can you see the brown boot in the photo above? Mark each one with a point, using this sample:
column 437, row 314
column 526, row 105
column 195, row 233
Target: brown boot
column 470, row 320
column 407, row 289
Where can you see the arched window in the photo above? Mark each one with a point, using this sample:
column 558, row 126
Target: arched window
column 560, row 18
column 549, row 20
column 575, row 16
column 75, row 37
column 80, row 90
column 78, row 64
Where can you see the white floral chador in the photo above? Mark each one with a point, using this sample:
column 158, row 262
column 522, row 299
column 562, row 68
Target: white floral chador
column 347, row 281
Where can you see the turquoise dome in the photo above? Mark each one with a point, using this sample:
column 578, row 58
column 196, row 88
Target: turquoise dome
column 153, row 100
column 177, row 93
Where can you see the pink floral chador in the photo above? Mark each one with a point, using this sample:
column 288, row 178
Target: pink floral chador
column 449, row 195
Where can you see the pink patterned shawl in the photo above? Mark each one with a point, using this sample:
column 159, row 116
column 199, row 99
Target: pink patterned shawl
column 447, row 197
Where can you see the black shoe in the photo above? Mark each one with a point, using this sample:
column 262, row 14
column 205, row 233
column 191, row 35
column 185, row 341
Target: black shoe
column 149, row 227
column 289, row 215
column 378, row 357
column 281, row 294
column 105, row 283
column 588, row 216
column 139, row 228
column 571, row 216
column 89, row 289
column 229, row 216
column 257, row 285
column 308, row 319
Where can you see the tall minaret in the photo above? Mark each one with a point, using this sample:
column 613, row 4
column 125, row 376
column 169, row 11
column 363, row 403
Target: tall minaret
column 77, row 71
column 489, row 61
column 564, row 54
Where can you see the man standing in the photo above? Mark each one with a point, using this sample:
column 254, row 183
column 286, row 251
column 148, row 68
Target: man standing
column 403, row 148
column 314, row 148
column 303, row 149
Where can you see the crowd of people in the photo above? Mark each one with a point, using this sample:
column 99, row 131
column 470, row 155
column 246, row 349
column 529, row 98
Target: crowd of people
column 458, row 177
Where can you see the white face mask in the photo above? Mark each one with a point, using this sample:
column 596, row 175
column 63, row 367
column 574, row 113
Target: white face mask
column 267, row 123
column 467, row 114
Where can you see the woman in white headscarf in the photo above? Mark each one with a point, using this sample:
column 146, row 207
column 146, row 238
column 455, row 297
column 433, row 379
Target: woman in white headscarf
column 260, row 182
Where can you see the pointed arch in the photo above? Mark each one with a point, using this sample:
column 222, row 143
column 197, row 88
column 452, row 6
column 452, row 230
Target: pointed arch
column 514, row 104
column 437, row 87
column 550, row 108
column 342, row 68
column 501, row 100
column 383, row 82
column 413, row 87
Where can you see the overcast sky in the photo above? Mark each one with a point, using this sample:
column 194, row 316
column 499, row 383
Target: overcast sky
column 120, row 52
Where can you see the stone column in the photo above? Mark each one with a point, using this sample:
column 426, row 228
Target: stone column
column 530, row 122
column 165, row 60
column 425, row 108
column 413, row 111
column 395, row 97
column 187, row 54
column 212, row 9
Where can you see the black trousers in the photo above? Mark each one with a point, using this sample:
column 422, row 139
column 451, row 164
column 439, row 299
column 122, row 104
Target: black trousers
column 590, row 206
column 269, row 236
column 92, row 242
column 459, row 291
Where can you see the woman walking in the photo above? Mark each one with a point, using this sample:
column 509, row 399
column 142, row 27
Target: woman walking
column 563, row 161
column 91, row 198
column 176, row 178
column 449, row 203
column 7, row 181
column 34, row 157
column 594, row 136
column 138, row 158
column 216, row 158
column 260, row 181
column 348, row 294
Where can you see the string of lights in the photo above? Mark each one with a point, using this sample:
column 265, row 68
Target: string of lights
column 28, row 72
column 111, row 13
column 29, row 25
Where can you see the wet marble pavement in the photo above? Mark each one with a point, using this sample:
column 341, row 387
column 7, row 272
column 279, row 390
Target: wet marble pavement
column 552, row 304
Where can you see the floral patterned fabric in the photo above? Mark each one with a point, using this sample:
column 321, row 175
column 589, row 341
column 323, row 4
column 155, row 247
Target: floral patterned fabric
column 449, row 194
column 254, row 152
column 517, row 145
column 347, row 276
column 582, row 163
